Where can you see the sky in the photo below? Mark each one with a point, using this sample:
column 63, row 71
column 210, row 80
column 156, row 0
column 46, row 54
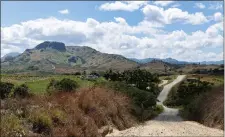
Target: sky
column 183, row 30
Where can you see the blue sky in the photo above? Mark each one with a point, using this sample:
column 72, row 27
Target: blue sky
column 140, row 29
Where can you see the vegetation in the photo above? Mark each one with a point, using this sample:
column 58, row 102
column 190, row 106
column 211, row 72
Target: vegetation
column 140, row 78
column 65, row 84
column 80, row 113
column 84, row 112
column 184, row 93
column 207, row 109
column 12, row 126
column 5, row 89
column 21, row 91
column 197, row 100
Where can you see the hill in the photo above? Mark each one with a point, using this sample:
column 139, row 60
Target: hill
column 158, row 66
column 56, row 57
column 9, row 56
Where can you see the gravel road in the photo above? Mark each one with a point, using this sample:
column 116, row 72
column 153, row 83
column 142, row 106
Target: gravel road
column 168, row 123
column 163, row 83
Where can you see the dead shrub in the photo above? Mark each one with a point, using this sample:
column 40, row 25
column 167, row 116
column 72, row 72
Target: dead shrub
column 80, row 113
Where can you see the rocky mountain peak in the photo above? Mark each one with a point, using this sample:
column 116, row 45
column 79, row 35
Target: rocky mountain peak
column 54, row 45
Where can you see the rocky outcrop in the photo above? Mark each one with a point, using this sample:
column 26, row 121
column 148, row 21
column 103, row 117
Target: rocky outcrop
column 54, row 45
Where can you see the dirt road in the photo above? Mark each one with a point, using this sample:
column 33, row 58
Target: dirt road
column 169, row 123
column 163, row 83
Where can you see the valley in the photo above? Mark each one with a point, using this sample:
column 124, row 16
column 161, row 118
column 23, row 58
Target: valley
column 79, row 91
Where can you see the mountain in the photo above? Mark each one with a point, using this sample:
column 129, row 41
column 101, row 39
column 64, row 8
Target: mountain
column 9, row 56
column 174, row 61
column 56, row 57
column 212, row 62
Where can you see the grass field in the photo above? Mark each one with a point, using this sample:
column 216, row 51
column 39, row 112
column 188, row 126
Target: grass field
column 215, row 79
column 38, row 84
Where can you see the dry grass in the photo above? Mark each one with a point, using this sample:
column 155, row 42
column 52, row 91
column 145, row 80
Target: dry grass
column 76, row 114
column 212, row 108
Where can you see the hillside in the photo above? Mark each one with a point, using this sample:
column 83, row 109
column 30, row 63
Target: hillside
column 56, row 57
column 158, row 66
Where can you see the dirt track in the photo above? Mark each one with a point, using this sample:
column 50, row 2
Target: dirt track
column 169, row 123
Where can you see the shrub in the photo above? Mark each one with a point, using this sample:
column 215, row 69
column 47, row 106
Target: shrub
column 11, row 126
column 159, row 109
column 21, row 91
column 58, row 116
column 65, row 84
column 42, row 123
column 5, row 89
column 52, row 86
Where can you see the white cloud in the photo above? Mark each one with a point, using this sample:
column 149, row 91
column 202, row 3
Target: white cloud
column 65, row 11
column 120, row 20
column 163, row 3
column 116, row 37
column 200, row 5
column 156, row 14
column 175, row 5
column 216, row 6
column 123, row 5
column 215, row 30
column 218, row 16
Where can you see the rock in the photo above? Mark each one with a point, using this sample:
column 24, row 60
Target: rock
column 105, row 130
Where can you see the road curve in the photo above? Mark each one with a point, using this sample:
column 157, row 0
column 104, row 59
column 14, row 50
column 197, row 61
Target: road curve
column 163, row 83
column 168, row 123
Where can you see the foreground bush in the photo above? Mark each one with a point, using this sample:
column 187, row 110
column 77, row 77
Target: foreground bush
column 11, row 126
column 79, row 114
column 21, row 91
column 5, row 89
column 42, row 123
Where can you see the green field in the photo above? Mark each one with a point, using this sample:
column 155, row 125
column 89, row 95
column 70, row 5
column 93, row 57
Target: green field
column 215, row 79
column 38, row 84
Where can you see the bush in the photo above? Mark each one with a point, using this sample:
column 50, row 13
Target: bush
column 5, row 89
column 11, row 126
column 42, row 123
column 21, row 91
column 58, row 116
column 65, row 84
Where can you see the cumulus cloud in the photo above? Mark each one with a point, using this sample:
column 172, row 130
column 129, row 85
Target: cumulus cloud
column 123, row 5
column 163, row 3
column 218, row 16
column 156, row 14
column 65, row 11
column 116, row 37
column 199, row 5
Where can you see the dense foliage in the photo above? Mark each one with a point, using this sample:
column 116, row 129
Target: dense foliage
column 5, row 89
column 21, row 91
column 139, row 78
column 65, row 84
column 186, row 92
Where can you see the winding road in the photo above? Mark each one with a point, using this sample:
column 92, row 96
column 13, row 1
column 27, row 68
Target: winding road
column 168, row 123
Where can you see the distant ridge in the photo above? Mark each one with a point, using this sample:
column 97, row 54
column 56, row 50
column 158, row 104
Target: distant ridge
column 177, row 62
